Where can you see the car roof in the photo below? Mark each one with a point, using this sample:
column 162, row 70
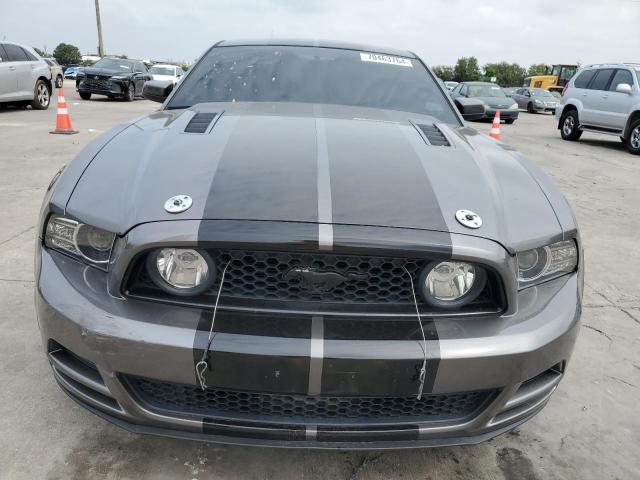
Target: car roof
column 316, row 43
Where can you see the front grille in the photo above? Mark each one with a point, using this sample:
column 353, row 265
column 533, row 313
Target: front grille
column 257, row 278
column 101, row 83
column 191, row 400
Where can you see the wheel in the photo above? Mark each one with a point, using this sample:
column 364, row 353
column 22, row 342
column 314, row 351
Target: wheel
column 633, row 139
column 569, row 126
column 41, row 96
column 85, row 95
column 530, row 108
column 59, row 81
column 510, row 121
column 130, row 93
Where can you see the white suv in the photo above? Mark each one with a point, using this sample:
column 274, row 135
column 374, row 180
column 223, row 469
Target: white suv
column 603, row 99
column 25, row 78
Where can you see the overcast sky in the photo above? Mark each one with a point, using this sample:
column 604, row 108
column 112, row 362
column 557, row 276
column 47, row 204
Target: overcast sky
column 440, row 31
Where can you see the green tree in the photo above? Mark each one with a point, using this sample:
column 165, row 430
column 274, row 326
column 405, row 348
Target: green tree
column 537, row 69
column 505, row 74
column 466, row 69
column 40, row 52
column 444, row 72
column 66, row 54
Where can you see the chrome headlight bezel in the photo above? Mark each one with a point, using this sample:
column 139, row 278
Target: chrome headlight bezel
column 79, row 240
column 152, row 269
column 476, row 288
column 539, row 265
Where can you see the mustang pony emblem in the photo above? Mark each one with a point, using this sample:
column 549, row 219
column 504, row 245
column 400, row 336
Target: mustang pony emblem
column 318, row 281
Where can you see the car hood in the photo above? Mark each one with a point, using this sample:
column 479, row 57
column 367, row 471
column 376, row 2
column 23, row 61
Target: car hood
column 104, row 71
column 311, row 163
column 497, row 102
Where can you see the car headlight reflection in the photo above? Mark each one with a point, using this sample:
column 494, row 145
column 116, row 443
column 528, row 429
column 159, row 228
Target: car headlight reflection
column 544, row 263
column 451, row 284
column 181, row 271
column 79, row 240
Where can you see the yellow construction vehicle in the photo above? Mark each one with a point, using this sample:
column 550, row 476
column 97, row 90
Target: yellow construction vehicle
column 554, row 79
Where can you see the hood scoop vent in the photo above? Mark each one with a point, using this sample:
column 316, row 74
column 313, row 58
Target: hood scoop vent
column 434, row 136
column 200, row 122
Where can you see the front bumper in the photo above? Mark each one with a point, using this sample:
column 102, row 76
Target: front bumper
column 103, row 87
column 505, row 114
column 97, row 342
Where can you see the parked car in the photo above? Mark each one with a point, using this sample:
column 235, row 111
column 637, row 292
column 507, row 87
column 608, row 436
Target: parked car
column 294, row 259
column 492, row 95
column 450, row 84
column 113, row 77
column 70, row 72
column 166, row 72
column 535, row 100
column 57, row 76
column 25, row 78
column 603, row 99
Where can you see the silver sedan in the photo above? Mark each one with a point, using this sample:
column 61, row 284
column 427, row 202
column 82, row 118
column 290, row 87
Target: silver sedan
column 535, row 100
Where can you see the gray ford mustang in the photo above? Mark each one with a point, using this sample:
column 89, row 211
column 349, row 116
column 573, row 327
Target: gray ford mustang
column 306, row 247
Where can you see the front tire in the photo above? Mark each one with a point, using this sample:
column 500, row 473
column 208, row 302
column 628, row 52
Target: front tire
column 59, row 81
column 633, row 139
column 130, row 93
column 530, row 108
column 41, row 96
column 570, row 126
column 85, row 95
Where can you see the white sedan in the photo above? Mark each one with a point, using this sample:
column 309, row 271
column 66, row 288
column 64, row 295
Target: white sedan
column 166, row 72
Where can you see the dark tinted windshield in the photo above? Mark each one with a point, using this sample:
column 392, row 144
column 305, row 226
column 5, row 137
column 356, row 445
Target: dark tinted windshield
column 313, row 75
column 114, row 64
column 485, row 91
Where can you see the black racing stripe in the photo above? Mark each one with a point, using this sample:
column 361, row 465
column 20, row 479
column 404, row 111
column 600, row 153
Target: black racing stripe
column 368, row 329
column 368, row 434
column 377, row 178
column 258, row 371
column 265, row 431
column 374, row 377
column 268, row 171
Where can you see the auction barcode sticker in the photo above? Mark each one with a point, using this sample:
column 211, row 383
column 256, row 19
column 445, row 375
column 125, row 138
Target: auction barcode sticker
column 380, row 58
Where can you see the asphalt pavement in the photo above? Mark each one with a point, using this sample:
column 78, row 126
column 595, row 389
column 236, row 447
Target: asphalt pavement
column 589, row 430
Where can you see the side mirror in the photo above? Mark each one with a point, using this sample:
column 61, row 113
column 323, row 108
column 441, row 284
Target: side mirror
column 470, row 108
column 157, row 90
column 527, row 94
column 624, row 88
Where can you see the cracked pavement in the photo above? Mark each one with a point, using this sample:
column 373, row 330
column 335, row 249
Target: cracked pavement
column 590, row 428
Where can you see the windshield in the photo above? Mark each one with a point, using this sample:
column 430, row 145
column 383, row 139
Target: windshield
column 485, row 91
column 162, row 71
column 539, row 92
column 114, row 64
column 313, row 75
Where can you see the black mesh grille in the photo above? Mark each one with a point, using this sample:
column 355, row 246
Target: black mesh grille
column 368, row 282
column 434, row 135
column 189, row 399
column 199, row 123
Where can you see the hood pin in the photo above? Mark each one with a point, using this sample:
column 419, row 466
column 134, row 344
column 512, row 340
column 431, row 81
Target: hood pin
column 469, row 219
column 178, row 204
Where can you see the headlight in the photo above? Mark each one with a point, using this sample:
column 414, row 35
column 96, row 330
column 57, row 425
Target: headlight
column 514, row 107
column 544, row 263
column 181, row 271
column 119, row 77
column 538, row 102
column 78, row 239
column 451, row 284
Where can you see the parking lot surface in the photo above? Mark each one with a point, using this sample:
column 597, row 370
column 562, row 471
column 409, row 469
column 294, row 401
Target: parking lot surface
column 590, row 428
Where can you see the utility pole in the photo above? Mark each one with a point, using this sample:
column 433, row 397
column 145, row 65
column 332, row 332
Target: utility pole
column 100, row 44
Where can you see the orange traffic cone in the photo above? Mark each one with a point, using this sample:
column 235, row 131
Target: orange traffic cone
column 63, row 122
column 495, row 128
